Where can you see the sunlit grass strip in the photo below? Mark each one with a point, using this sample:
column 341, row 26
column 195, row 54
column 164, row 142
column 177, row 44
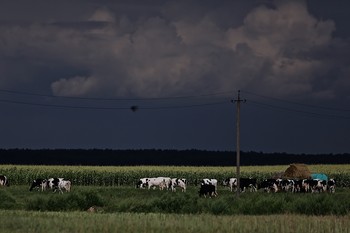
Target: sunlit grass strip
column 21, row 221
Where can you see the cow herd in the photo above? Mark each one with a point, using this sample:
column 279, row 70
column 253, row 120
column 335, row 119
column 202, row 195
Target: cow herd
column 282, row 185
column 54, row 184
column 208, row 187
column 163, row 183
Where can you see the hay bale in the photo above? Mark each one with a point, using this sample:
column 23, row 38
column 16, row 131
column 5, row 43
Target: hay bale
column 297, row 171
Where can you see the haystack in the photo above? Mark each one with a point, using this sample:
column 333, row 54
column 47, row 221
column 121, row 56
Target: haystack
column 297, row 171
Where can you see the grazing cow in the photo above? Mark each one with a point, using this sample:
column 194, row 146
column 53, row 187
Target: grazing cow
column 64, row 185
column 212, row 182
column 4, row 181
column 207, row 190
column 298, row 184
column 288, row 185
column 315, row 185
column 231, row 183
column 142, row 183
column 52, row 183
column 331, row 185
column 269, row 185
column 321, row 186
column 176, row 182
column 245, row 183
column 308, row 184
column 167, row 181
column 302, row 186
column 38, row 184
column 59, row 184
column 161, row 182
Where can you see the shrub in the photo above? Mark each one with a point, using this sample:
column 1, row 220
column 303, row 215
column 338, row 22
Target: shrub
column 7, row 201
column 78, row 200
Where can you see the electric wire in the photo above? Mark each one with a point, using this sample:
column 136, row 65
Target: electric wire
column 204, row 99
column 115, row 99
column 296, row 103
column 315, row 114
column 111, row 108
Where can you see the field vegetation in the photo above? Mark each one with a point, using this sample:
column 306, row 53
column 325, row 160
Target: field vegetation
column 120, row 207
column 82, row 222
column 128, row 175
column 129, row 199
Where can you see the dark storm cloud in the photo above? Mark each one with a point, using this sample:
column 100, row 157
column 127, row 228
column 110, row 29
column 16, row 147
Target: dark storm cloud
column 285, row 49
column 177, row 51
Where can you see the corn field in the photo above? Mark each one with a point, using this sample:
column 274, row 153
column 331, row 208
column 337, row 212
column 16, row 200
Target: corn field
column 129, row 175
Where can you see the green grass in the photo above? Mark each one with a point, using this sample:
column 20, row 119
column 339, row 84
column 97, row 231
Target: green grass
column 37, row 222
column 129, row 199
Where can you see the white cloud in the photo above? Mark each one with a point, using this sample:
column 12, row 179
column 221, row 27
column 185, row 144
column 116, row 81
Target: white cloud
column 288, row 27
column 76, row 86
column 102, row 15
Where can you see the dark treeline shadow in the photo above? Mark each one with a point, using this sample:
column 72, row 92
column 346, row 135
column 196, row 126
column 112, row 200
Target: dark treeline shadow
column 104, row 157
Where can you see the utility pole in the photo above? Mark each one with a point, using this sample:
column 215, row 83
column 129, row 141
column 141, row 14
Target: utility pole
column 238, row 150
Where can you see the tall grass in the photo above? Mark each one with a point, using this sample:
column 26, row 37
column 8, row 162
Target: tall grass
column 129, row 199
column 37, row 222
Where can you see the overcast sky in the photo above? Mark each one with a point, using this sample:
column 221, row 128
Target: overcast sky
column 71, row 70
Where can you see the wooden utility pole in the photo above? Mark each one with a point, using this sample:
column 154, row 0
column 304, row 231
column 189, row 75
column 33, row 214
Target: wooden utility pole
column 238, row 150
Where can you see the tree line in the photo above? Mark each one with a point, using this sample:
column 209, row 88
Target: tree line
column 109, row 157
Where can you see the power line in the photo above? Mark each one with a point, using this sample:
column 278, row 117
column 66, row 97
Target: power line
column 175, row 105
column 115, row 99
column 296, row 103
column 111, row 108
column 300, row 111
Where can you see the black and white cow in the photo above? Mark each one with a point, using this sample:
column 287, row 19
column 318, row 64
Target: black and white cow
column 303, row 185
column 176, row 182
column 4, row 181
column 331, row 185
column 231, row 183
column 321, row 186
column 277, row 185
column 64, row 185
column 269, row 185
column 161, row 182
column 39, row 184
column 142, row 183
column 212, row 182
column 288, row 185
column 59, row 184
column 315, row 185
column 245, row 183
column 207, row 190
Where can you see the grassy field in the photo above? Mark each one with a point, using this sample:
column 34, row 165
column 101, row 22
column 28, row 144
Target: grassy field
column 37, row 222
column 128, row 199
column 122, row 208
